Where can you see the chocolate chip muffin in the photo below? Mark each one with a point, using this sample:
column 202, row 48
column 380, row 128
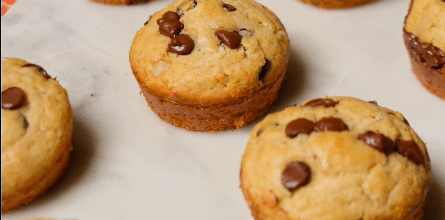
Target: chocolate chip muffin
column 36, row 131
column 336, row 4
column 121, row 2
column 424, row 38
column 209, row 65
column 335, row 158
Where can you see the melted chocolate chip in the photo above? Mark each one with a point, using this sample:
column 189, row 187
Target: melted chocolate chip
column 169, row 24
column 295, row 175
column 330, row 124
column 230, row 39
column 181, row 44
column 425, row 52
column 299, row 126
column 410, row 150
column 228, row 7
column 12, row 98
column 264, row 70
column 321, row 102
column 39, row 68
column 378, row 141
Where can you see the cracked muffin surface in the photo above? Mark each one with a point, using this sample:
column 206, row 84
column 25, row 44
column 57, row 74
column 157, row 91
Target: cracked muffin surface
column 215, row 54
column 335, row 158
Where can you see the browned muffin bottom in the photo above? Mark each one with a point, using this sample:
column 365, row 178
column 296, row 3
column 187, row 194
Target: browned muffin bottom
column 336, row 4
column 427, row 63
column 214, row 116
column 121, row 2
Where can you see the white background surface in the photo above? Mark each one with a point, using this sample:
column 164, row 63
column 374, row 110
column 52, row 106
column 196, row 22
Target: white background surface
column 128, row 164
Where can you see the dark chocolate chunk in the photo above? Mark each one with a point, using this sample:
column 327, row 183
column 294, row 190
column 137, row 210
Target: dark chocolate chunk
column 12, row 98
column 410, row 150
column 425, row 52
column 230, row 39
column 169, row 24
column 321, row 102
column 299, row 126
column 264, row 70
column 181, row 44
column 330, row 124
column 228, row 7
column 39, row 68
column 378, row 141
column 295, row 175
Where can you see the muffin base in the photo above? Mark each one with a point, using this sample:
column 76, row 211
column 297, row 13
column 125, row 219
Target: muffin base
column 432, row 79
column 216, row 116
column 336, row 4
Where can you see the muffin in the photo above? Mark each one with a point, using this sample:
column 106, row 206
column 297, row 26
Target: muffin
column 36, row 126
column 424, row 38
column 210, row 65
column 121, row 2
column 336, row 4
column 335, row 158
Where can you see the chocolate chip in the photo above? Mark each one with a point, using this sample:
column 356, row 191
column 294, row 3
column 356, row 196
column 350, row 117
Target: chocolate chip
column 181, row 44
column 299, row 126
column 295, row 175
column 230, row 39
column 12, row 98
column 264, row 70
column 378, row 141
column 410, row 150
column 39, row 68
column 330, row 124
column 169, row 24
column 425, row 52
column 321, row 102
column 228, row 7
column 373, row 102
